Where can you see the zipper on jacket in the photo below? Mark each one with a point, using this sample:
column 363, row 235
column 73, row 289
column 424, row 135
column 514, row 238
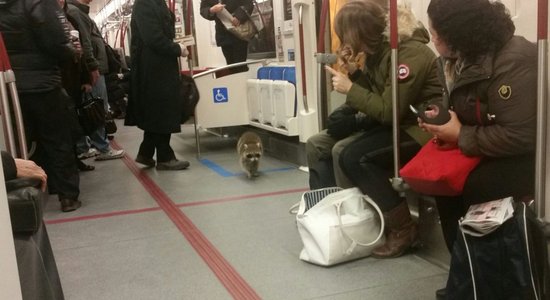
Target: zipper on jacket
column 478, row 111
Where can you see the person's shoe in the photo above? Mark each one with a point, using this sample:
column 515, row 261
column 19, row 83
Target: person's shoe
column 111, row 154
column 173, row 164
column 84, row 167
column 441, row 294
column 90, row 153
column 145, row 160
column 70, row 205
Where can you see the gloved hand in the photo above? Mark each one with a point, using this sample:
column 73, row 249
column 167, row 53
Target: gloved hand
column 363, row 121
column 184, row 51
column 342, row 122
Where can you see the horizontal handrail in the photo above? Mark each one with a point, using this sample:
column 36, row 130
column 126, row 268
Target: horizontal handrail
column 244, row 63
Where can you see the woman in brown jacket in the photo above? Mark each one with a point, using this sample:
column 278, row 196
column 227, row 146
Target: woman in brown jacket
column 490, row 83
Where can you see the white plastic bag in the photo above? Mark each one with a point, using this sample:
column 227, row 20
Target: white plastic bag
column 338, row 225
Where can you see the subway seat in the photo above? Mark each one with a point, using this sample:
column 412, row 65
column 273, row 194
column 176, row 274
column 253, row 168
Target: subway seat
column 272, row 100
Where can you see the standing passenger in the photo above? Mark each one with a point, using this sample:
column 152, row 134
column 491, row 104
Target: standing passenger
column 72, row 77
column 154, row 104
column 490, row 79
column 234, row 49
column 95, row 59
column 37, row 44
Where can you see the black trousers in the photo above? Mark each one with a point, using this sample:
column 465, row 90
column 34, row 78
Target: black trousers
column 50, row 120
column 492, row 179
column 234, row 53
column 157, row 141
column 368, row 163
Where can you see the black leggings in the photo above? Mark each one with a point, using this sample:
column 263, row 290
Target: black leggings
column 492, row 179
column 368, row 163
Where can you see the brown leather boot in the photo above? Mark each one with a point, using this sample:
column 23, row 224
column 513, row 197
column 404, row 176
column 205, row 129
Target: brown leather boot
column 401, row 232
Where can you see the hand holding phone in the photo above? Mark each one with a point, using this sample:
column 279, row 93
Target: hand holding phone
column 432, row 113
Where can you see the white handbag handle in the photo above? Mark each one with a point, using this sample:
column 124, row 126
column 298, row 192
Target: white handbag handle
column 354, row 243
column 293, row 210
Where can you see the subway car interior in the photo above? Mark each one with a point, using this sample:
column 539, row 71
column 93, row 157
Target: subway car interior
column 210, row 231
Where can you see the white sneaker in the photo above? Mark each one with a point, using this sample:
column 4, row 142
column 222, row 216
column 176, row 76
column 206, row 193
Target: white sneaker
column 111, row 154
column 90, row 153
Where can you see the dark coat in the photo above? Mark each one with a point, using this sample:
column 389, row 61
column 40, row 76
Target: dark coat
column 495, row 100
column 36, row 43
column 153, row 103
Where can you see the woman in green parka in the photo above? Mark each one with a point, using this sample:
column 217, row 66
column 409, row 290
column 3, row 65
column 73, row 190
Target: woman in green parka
column 153, row 103
column 368, row 160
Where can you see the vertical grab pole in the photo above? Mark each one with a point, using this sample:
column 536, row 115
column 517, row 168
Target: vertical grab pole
column 320, row 50
column 189, row 30
column 7, row 78
column 397, row 183
column 302, row 59
column 542, row 107
column 394, row 90
column 21, row 138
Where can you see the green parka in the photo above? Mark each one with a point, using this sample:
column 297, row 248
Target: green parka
column 371, row 91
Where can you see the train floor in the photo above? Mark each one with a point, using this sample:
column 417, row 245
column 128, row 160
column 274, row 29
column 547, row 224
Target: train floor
column 207, row 233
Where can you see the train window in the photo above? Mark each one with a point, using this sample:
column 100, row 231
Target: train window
column 263, row 45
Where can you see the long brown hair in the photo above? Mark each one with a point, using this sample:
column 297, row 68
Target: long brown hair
column 360, row 25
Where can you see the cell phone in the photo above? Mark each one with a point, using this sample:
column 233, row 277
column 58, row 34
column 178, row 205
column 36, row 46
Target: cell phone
column 432, row 113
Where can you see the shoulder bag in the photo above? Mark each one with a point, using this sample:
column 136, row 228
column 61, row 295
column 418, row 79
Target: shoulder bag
column 252, row 26
column 338, row 225
column 245, row 31
column 438, row 172
column 508, row 263
column 91, row 113
column 189, row 95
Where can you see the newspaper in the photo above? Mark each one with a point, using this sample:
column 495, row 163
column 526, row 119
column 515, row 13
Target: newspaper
column 187, row 40
column 484, row 218
column 226, row 17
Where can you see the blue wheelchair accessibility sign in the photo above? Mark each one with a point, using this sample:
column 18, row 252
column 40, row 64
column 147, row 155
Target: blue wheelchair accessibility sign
column 220, row 95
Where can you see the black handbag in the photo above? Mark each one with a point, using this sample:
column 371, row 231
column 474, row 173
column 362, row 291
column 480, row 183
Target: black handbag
column 25, row 204
column 189, row 94
column 91, row 113
column 508, row 263
column 110, row 125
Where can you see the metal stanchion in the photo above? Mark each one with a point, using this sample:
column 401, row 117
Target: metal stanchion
column 542, row 110
column 397, row 182
column 7, row 84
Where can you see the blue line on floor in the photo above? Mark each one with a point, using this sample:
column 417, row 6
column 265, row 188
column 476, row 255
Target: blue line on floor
column 224, row 173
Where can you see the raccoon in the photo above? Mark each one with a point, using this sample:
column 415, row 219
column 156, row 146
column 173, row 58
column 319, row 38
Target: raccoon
column 250, row 150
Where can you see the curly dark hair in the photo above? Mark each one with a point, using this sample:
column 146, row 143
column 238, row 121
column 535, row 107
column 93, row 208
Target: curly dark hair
column 471, row 28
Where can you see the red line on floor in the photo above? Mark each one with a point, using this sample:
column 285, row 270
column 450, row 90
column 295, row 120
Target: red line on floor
column 241, row 197
column 99, row 216
column 195, row 203
column 227, row 275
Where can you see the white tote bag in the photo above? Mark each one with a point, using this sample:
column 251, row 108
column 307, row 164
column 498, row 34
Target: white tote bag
column 338, row 225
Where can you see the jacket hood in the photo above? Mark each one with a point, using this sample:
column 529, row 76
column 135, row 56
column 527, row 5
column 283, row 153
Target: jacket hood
column 83, row 7
column 408, row 26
